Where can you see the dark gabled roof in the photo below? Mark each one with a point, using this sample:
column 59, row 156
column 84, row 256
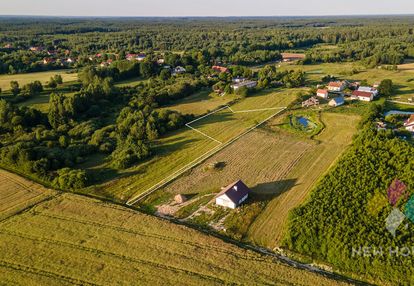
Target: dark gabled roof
column 235, row 191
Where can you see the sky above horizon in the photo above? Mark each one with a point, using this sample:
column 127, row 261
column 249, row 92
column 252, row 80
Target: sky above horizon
column 204, row 7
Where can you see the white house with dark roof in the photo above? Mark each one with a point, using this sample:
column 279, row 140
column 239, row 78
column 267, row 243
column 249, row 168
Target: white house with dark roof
column 233, row 195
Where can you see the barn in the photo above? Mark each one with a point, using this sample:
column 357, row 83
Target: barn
column 233, row 195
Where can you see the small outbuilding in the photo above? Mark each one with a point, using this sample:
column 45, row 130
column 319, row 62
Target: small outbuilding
column 233, row 195
column 337, row 101
column 179, row 199
column 323, row 93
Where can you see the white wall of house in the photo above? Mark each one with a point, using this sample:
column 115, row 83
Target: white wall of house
column 363, row 98
column 410, row 128
column 224, row 201
column 322, row 95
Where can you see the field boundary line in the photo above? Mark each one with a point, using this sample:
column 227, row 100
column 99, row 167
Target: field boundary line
column 201, row 158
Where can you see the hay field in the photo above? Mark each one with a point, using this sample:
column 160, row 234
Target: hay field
column 17, row 193
column 279, row 166
column 43, row 77
column 262, row 160
column 73, row 240
column 185, row 145
column 269, row 228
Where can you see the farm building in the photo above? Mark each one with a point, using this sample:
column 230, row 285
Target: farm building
column 246, row 83
column 323, row 93
column 233, row 195
column 220, row 69
column 310, row 102
column 362, row 95
column 179, row 199
column 372, row 90
column 337, row 101
column 409, row 124
column 336, row 86
column 178, row 70
column 289, row 57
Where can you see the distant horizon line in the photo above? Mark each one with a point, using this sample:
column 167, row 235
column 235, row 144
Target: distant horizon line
column 207, row 16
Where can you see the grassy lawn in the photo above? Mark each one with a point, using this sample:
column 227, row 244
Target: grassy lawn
column 200, row 103
column 43, row 77
column 184, row 146
column 89, row 242
column 132, row 82
column 403, row 78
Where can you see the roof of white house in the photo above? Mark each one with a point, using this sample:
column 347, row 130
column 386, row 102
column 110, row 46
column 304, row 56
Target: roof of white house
column 235, row 191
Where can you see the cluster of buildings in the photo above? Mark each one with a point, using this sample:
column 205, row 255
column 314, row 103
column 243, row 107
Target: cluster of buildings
column 240, row 82
column 409, row 124
column 337, row 88
column 363, row 93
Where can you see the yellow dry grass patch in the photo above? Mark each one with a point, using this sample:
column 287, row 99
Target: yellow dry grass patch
column 269, row 228
column 43, row 77
column 17, row 193
column 78, row 240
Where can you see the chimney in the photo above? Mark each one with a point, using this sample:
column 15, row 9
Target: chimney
column 235, row 188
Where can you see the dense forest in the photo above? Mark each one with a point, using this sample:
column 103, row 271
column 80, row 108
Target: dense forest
column 344, row 220
column 33, row 44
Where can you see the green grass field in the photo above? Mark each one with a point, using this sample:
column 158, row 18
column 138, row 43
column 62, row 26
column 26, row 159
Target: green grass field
column 73, row 240
column 184, row 146
column 200, row 103
column 43, row 77
column 403, row 78
column 130, row 82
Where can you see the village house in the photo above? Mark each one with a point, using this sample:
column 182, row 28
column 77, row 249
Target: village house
column 362, row 95
column 323, row 93
column 372, row 90
column 160, row 61
column 354, row 85
column 140, row 57
column 336, row 86
column 289, row 57
column 337, row 101
column 35, row 49
column 409, row 124
column 8, row 46
column 310, row 102
column 381, row 125
column 220, row 69
column 246, row 83
column 239, row 79
column 178, row 70
column 233, row 195
column 106, row 64
column 47, row 61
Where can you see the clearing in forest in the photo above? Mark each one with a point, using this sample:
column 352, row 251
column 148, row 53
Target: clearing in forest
column 43, row 77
